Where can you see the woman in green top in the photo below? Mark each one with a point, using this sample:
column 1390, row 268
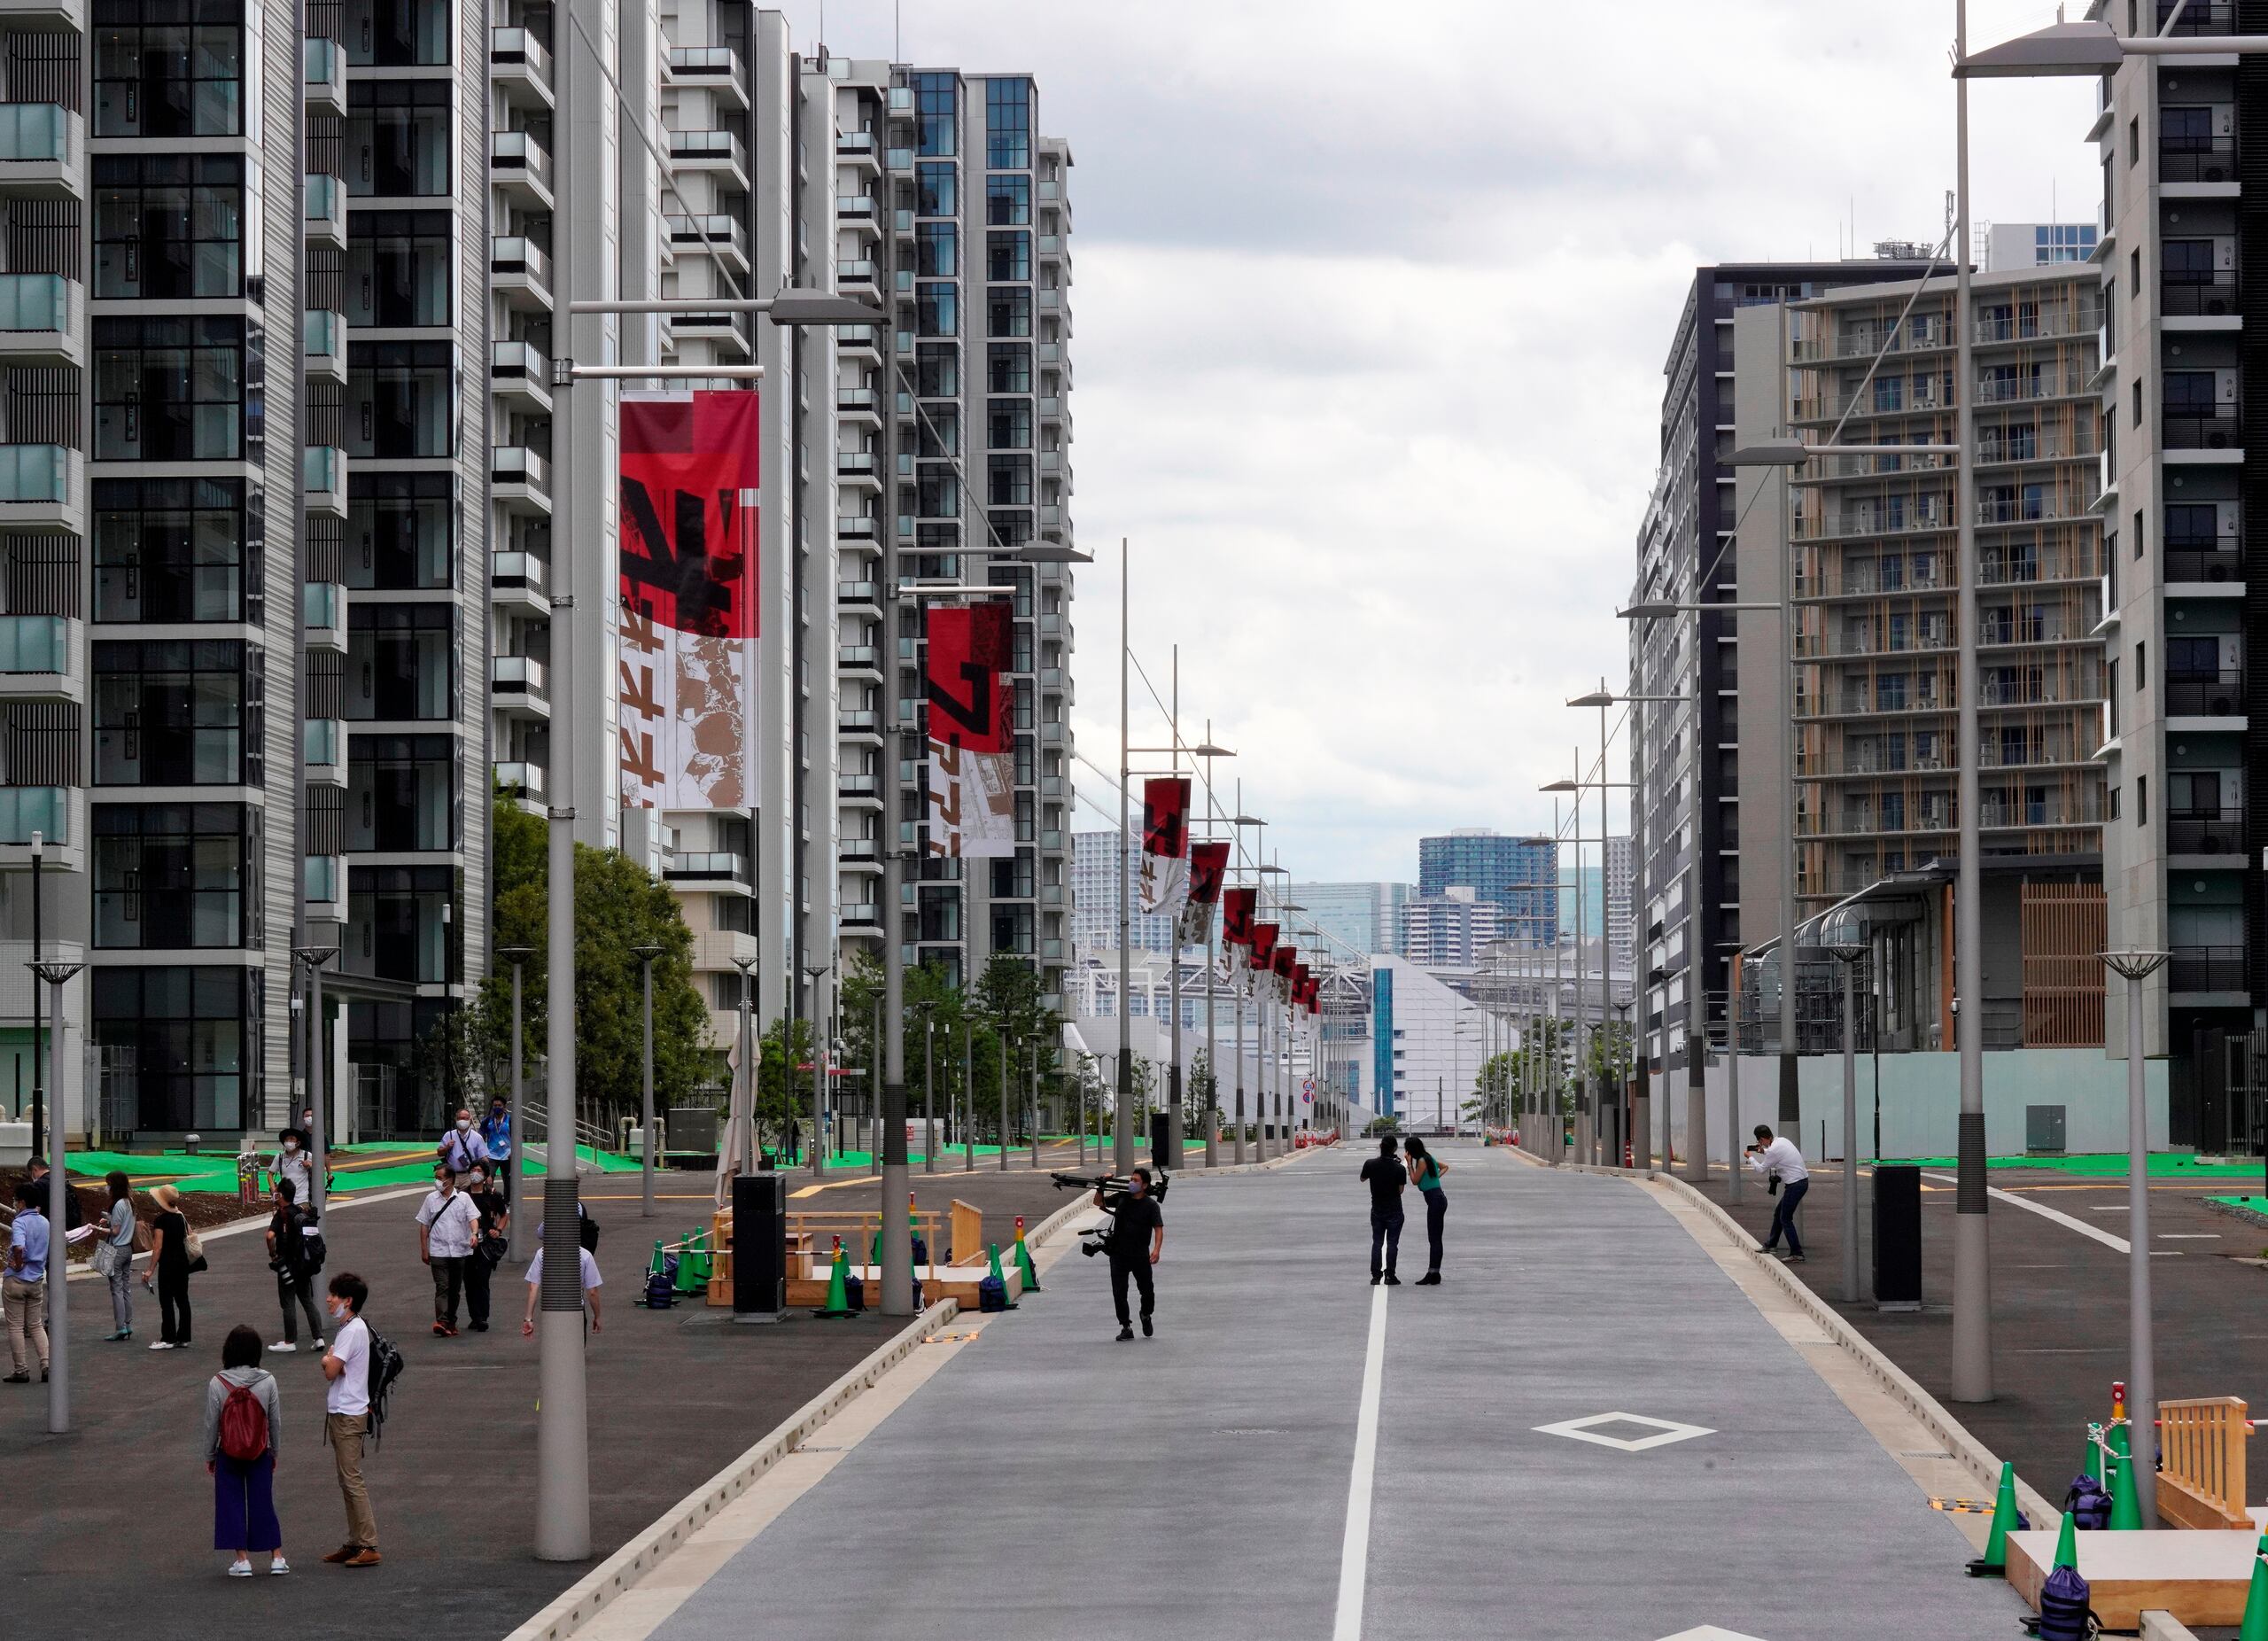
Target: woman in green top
column 1425, row 1172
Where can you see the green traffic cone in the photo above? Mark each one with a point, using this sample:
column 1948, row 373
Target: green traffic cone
column 661, row 1262
column 1024, row 1266
column 2004, row 1518
column 838, row 1293
column 2092, row 1465
column 2125, row 1501
column 690, row 1277
column 2255, row 1627
column 2067, row 1543
column 998, row 1277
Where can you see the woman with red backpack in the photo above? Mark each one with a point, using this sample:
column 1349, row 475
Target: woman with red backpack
column 243, row 1420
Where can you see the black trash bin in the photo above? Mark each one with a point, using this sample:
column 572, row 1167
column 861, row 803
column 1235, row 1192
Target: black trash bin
column 1898, row 1236
column 1162, row 1140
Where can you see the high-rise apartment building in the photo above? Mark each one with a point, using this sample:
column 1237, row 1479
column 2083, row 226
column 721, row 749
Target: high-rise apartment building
column 1450, row 929
column 1686, row 770
column 1360, row 920
column 1620, row 931
column 2184, row 274
column 1520, row 875
column 1101, row 878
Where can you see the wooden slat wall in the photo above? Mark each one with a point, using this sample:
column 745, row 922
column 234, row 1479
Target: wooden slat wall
column 2063, row 927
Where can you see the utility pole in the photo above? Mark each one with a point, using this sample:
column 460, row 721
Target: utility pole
column 59, row 1196
column 516, row 1234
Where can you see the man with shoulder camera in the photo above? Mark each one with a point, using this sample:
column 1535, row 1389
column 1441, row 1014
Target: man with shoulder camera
column 1136, row 1238
column 1782, row 1168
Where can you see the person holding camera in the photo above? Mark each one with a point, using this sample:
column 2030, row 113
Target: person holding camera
column 1784, row 1173
column 295, row 1275
column 1136, row 1237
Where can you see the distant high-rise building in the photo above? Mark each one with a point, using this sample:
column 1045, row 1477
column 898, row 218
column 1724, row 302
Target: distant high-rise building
column 1450, row 928
column 1360, row 919
column 2010, row 247
column 1097, row 887
column 1621, row 933
column 1517, row 874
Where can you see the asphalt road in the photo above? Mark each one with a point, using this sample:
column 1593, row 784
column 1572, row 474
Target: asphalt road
column 1047, row 1480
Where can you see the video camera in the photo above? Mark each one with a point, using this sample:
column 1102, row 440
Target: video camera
column 1115, row 1189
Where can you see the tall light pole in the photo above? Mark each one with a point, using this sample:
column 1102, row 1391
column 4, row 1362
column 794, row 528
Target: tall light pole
column 968, row 1100
column 39, row 955
column 752, row 1084
column 59, row 1195
column 1844, row 936
column 1121, row 1124
column 821, row 1059
column 645, row 955
column 515, row 1234
column 2135, row 967
column 926, row 1009
column 318, row 1158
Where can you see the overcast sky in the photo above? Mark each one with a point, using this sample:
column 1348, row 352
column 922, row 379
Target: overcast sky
column 1371, row 303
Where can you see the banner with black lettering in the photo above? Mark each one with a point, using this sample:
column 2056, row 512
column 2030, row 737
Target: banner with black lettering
column 1237, row 907
column 685, row 699
column 1263, row 946
column 972, row 730
column 1208, row 865
column 1165, row 842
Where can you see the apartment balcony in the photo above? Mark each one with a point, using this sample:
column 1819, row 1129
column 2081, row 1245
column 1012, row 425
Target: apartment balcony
column 325, row 211
column 716, row 868
column 322, row 886
column 857, row 277
column 2218, row 562
column 324, row 334
column 2215, row 297
column 861, row 790
column 861, row 917
column 860, row 854
column 727, row 328
column 860, row 661
column 326, row 76
column 519, row 168
column 858, row 598
column 42, row 487
column 59, row 814
column 859, row 726
column 323, row 616
column 42, row 152
column 322, row 480
column 524, row 781
column 520, row 480
column 2011, row 634
column 855, row 208
column 519, row 375
column 50, row 16
column 715, row 151
column 861, row 343
column 323, row 749
column 859, row 406
column 717, row 67
column 898, row 160
column 520, row 273
column 712, row 234
column 42, row 658
column 519, row 66
column 859, row 470
column 858, row 527
column 2211, row 160
column 2214, row 832
column 2220, row 697
column 518, row 581
column 519, row 688
column 859, row 150
column 2221, row 428
column 2199, row 17
column 39, row 316
column 2218, row 969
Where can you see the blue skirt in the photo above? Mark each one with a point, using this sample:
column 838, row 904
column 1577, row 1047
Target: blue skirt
column 244, row 1504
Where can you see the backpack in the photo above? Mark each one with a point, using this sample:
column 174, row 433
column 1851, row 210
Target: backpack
column 385, row 1366
column 243, row 1426
column 312, row 1250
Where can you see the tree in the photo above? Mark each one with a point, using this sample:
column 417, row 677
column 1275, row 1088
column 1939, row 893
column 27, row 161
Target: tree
column 1203, row 1086
column 618, row 907
column 784, row 1062
column 1607, row 1054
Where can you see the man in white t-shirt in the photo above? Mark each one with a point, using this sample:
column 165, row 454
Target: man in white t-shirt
column 1779, row 1160
column 346, row 1415
column 588, row 1277
column 448, row 1225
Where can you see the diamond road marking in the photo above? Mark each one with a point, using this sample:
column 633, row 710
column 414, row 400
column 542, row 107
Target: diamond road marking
column 1709, row 1632
column 1665, row 1431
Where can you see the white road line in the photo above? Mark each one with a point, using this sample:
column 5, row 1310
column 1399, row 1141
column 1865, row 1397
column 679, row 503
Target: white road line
column 2079, row 1226
column 1355, row 1550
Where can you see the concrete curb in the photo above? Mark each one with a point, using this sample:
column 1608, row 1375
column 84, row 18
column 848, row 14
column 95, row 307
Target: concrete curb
column 576, row 1605
column 2250, row 1215
column 1224, row 1170
column 1971, row 1452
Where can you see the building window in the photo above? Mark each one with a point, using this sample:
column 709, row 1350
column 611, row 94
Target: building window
column 190, row 1037
column 398, row 139
column 1007, row 311
column 1007, row 255
column 400, row 663
column 401, row 397
column 1008, row 368
column 1009, row 424
column 400, row 269
column 1009, row 480
column 173, row 876
column 937, row 251
column 401, row 794
column 180, row 77
column 934, row 95
column 1007, row 124
column 933, row 189
column 940, row 493
column 1007, row 201
column 2141, row 800
column 397, row 34
column 937, row 309
column 169, row 227
column 940, row 433
column 177, row 549
column 936, row 371
column 401, row 532
column 400, row 924
column 178, row 712
column 171, row 389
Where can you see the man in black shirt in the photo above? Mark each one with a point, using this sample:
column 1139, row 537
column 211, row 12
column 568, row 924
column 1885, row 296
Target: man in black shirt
column 1387, row 1178
column 1137, row 1235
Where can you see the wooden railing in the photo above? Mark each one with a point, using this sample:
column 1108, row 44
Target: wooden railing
column 2200, row 1483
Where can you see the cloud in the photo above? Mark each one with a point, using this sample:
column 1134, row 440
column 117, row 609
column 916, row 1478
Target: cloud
column 1371, row 304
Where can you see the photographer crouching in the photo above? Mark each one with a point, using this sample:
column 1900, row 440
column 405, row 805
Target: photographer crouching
column 1784, row 1173
column 1136, row 1238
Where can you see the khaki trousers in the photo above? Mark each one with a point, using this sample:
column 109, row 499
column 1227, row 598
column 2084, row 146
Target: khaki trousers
column 344, row 1433
column 26, row 1304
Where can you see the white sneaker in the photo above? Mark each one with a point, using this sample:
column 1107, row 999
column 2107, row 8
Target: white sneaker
column 164, row 1344
column 317, row 1345
column 282, row 1350
column 278, row 1567
column 240, row 1569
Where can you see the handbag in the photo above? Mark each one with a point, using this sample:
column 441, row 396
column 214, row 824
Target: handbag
column 193, row 1245
column 107, row 1257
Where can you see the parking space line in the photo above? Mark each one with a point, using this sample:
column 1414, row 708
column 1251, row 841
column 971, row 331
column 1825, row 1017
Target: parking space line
column 1355, row 1550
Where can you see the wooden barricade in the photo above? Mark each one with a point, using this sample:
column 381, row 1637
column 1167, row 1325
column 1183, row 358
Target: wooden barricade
column 968, row 1233
column 2202, row 1482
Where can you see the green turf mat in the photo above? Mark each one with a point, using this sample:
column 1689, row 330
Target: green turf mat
column 2163, row 1164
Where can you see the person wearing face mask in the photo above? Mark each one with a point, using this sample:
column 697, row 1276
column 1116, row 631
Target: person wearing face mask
column 461, row 1146
column 295, row 1278
column 1136, row 1237
column 496, row 1134
column 447, row 1225
column 346, row 1415
column 491, row 1216
column 292, row 1163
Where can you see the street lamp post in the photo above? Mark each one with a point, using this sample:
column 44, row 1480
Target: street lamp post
column 2135, row 967
column 968, row 1100
column 927, row 1008
column 514, row 1235
column 821, row 1062
column 59, row 1194
column 39, row 955
column 646, row 956
column 318, row 1157
column 1845, row 941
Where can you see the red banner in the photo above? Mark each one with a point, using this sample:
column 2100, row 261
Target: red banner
column 1283, row 960
column 1208, row 865
column 688, row 589
column 1264, row 945
column 1165, row 816
column 972, row 730
column 1237, row 907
